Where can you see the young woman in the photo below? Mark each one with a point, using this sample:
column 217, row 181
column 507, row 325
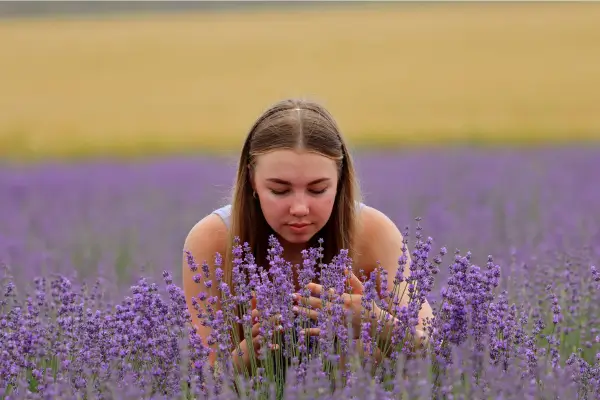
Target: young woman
column 295, row 179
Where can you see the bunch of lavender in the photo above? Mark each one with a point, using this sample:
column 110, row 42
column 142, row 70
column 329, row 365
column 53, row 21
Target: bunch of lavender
column 390, row 335
column 270, row 290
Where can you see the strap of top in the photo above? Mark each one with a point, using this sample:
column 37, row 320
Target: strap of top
column 225, row 213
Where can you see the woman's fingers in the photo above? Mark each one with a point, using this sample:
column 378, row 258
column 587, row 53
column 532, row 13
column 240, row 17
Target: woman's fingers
column 312, row 302
column 275, row 320
column 255, row 329
column 257, row 342
column 316, row 290
column 312, row 314
column 310, row 331
column 316, row 304
column 255, row 314
column 422, row 338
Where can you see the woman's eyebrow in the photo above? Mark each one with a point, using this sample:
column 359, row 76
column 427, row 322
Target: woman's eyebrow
column 284, row 182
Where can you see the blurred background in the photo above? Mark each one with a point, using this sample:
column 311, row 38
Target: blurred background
column 138, row 78
column 416, row 87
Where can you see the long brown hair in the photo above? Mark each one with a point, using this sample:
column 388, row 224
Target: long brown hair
column 293, row 124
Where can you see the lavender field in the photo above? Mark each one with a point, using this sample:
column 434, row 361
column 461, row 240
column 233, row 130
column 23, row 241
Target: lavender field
column 88, row 232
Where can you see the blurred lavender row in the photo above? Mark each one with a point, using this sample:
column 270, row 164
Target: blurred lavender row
column 117, row 220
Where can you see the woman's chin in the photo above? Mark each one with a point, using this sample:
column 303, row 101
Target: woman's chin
column 296, row 238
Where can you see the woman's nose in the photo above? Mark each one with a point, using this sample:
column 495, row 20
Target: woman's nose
column 299, row 206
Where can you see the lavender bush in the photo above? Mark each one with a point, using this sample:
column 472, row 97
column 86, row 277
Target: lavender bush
column 521, row 324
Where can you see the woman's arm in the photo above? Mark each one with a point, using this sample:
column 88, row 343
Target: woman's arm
column 380, row 240
column 204, row 240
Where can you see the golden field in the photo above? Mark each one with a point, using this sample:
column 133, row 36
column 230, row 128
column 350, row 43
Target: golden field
column 399, row 74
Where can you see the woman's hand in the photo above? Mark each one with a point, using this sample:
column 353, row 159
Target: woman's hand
column 312, row 305
column 243, row 362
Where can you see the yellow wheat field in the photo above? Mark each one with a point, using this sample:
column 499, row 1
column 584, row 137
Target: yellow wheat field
column 394, row 74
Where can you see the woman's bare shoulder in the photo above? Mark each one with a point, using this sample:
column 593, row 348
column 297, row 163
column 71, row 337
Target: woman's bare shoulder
column 206, row 237
column 373, row 222
column 377, row 237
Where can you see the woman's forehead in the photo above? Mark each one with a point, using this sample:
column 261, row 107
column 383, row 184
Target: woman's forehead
column 293, row 159
column 295, row 167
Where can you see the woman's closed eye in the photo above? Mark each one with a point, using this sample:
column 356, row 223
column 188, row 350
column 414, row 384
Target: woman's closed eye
column 282, row 192
column 279, row 192
column 320, row 191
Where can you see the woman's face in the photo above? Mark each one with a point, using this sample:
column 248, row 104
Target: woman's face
column 296, row 190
